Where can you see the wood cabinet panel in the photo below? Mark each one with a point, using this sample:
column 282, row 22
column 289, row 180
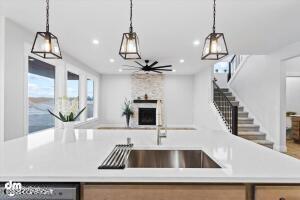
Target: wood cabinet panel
column 296, row 128
column 163, row 192
column 277, row 192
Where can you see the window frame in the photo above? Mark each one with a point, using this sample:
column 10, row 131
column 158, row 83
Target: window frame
column 94, row 100
column 72, row 69
column 61, row 69
column 57, row 64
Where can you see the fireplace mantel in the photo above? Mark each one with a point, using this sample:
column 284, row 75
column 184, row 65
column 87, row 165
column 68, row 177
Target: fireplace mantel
column 144, row 101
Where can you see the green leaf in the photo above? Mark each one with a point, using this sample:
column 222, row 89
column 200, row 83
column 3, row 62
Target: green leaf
column 62, row 117
column 71, row 117
column 55, row 115
column 79, row 113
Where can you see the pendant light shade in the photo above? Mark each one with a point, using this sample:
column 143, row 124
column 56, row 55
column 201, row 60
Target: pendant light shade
column 215, row 46
column 129, row 48
column 45, row 43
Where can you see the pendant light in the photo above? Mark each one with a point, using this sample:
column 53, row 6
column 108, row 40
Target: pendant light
column 130, row 42
column 45, row 43
column 215, row 46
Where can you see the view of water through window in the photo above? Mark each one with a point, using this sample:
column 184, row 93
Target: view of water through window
column 41, row 90
column 90, row 98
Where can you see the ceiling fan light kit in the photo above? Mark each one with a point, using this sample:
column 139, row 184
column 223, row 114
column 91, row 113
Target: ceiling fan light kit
column 215, row 46
column 46, row 44
column 129, row 48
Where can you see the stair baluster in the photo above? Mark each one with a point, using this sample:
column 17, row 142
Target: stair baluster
column 228, row 111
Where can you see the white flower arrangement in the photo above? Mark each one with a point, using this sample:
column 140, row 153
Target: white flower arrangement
column 68, row 109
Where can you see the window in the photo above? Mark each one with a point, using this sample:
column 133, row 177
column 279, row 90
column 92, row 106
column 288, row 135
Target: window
column 221, row 67
column 41, row 90
column 73, row 86
column 90, row 98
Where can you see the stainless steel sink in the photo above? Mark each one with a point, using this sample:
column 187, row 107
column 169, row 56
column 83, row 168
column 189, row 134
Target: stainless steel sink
column 170, row 159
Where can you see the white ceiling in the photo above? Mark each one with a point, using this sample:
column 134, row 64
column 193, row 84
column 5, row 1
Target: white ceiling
column 166, row 28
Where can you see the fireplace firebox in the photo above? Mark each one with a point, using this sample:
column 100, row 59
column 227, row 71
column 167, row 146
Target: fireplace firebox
column 147, row 116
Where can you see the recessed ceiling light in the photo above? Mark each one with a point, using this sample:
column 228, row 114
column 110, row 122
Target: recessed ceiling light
column 181, row 61
column 95, row 41
column 120, row 70
column 173, row 70
column 111, row 60
column 196, row 43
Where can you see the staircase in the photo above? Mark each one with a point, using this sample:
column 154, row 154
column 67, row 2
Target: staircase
column 247, row 129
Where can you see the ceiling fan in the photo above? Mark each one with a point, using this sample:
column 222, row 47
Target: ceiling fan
column 148, row 67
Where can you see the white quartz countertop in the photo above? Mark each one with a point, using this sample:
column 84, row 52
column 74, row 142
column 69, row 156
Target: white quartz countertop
column 42, row 157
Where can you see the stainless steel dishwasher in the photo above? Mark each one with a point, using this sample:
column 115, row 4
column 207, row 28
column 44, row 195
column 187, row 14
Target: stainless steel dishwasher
column 39, row 191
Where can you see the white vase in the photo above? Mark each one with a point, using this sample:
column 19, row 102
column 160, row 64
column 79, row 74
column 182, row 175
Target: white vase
column 68, row 133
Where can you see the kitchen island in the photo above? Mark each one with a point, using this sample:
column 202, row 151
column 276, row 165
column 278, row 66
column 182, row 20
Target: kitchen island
column 245, row 166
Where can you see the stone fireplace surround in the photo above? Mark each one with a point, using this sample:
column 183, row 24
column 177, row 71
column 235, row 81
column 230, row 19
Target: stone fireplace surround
column 150, row 84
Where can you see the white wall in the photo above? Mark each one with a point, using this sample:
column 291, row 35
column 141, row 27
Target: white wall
column 292, row 66
column 178, row 92
column 257, row 85
column 14, row 79
column 17, row 40
column 204, row 117
column 113, row 90
column 2, row 64
column 221, row 79
column 293, row 94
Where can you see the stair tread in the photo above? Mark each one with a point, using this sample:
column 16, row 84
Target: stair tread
column 248, row 125
column 245, row 118
column 263, row 141
column 251, row 133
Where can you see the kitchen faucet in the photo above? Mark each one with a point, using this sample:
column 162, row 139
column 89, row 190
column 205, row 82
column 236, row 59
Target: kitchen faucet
column 159, row 136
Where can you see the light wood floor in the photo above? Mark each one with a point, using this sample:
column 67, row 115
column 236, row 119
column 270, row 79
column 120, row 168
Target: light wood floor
column 293, row 149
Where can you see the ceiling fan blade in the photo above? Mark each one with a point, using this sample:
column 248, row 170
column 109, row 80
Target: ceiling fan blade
column 156, row 71
column 162, row 66
column 139, row 64
column 131, row 66
column 153, row 64
column 169, row 70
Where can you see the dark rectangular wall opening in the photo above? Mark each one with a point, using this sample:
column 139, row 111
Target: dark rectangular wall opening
column 147, row 116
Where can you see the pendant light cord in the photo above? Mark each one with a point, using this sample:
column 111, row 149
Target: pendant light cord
column 214, row 25
column 131, row 28
column 47, row 16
